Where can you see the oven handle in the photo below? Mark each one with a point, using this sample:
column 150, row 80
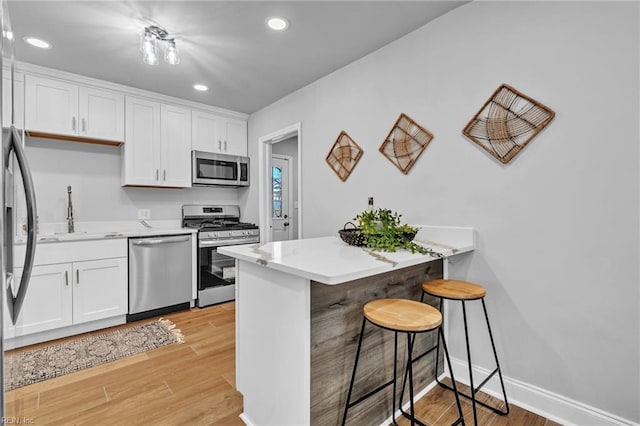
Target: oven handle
column 219, row 243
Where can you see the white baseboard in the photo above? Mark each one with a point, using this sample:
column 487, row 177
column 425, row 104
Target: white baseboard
column 550, row 405
column 246, row 420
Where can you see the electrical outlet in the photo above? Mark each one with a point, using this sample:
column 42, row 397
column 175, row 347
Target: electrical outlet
column 144, row 214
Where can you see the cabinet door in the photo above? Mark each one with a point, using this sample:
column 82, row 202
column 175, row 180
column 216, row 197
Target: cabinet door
column 141, row 155
column 12, row 100
column 101, row 114
column 203, row 127
column 235, row 141
column 51, row 106
column 176, row 146
column 100, row 289
column 47, row 304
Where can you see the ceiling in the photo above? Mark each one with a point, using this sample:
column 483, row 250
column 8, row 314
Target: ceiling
column 223, row 44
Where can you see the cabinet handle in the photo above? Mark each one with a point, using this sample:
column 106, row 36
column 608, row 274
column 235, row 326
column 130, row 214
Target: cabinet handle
column 157, row 174
column 66, row 278
column 164, row 174
column 77, row 276
column 84, row 125
column 225, row 146
column 219, row 145
column 73, row 124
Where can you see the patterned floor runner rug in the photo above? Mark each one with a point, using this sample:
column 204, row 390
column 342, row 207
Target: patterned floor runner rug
column 32, row 366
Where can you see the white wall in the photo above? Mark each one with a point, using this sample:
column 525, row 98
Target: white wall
column 93, row 171
column 557, row 227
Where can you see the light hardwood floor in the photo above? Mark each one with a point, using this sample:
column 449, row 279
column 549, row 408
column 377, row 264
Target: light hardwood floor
column 191, row 383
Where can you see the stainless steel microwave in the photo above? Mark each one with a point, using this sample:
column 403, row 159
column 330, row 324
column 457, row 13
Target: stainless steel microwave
column 208, row 168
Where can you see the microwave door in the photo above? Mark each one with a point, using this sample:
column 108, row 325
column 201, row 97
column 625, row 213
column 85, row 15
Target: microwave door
column 214, row 171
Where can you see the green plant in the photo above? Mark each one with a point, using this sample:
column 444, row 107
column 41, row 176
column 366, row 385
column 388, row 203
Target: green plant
column 383, row 230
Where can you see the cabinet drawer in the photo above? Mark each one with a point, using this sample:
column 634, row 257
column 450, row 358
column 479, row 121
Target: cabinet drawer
column 72, row 251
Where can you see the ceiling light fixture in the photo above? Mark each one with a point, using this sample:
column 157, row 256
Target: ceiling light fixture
column 200, row 87
column 277, row 23
column 149, row 40
column 8, row 35
column 36, row 42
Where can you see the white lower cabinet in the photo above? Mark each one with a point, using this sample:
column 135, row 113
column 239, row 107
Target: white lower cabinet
column 65, row 298
column 99, row 289
column 47, row 304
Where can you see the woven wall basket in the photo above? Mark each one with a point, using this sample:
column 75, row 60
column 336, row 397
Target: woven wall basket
column 507, row 122
column 344, row 155
column 405, row 142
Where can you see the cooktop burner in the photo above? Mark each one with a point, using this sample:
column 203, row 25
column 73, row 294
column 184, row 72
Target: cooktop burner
column 213, row 218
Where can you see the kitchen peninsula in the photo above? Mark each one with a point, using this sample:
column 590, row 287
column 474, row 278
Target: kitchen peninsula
column 298, row 315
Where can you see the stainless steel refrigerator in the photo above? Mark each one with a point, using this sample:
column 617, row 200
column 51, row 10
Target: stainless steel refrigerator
column 12, row 161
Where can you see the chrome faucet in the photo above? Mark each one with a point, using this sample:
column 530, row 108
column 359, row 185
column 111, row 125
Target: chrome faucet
column 69, row 212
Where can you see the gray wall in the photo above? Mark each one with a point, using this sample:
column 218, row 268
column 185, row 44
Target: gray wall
column 558, row 230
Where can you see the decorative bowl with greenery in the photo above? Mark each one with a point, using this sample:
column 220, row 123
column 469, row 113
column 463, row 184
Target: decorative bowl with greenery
column 381, row 229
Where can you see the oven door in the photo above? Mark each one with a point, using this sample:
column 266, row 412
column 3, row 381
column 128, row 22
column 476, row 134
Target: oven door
column 214, row 169
column 216, row 275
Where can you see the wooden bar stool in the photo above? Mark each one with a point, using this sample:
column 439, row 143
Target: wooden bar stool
column 400, row 316
column 464, row 291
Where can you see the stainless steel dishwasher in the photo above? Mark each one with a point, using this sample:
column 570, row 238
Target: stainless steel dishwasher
column 160, row 275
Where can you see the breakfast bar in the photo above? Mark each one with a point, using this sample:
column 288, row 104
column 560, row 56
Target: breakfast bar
column 298, row 315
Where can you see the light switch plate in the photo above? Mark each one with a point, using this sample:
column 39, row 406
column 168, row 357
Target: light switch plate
column 144, row 214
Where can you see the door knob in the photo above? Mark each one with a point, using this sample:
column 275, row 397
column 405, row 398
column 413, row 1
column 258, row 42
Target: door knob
column 285, row 224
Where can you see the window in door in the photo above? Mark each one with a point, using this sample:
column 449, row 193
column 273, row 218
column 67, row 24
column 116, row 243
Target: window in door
column 276, row 181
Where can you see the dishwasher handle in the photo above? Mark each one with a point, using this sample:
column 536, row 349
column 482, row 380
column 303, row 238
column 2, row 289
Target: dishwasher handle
column 157, row 241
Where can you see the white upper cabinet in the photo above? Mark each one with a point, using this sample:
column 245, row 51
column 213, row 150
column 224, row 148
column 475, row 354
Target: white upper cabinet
column 141, row 152
column 101, row 114
column 158, row 145
column 12, row 99
column 175, row 155
column 54, row 107
column 51, row 106
column 219, row 134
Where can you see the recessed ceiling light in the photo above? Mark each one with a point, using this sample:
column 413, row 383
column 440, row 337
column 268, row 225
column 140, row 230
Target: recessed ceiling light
column 200, row 87
column 277, row 23
column 8, row 35
column 37, row 42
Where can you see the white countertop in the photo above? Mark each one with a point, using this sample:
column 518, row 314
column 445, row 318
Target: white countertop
column 106, row 230
column 329, row 260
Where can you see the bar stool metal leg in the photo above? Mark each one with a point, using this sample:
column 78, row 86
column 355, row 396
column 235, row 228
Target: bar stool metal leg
column 472, row 397
column 466, row 339
column 495, row 355
column 353, row 374
column 409, row 370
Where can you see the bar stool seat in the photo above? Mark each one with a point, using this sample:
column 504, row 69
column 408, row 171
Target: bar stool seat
column 454, row 289
column 402, row 315
column 399, row 316
column 464, row 291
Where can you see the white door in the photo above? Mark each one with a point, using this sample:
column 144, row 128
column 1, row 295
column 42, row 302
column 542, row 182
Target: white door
column 280, row 188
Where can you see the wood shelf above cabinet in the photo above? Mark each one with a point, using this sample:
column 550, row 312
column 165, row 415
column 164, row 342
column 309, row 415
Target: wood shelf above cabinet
column 72, row 138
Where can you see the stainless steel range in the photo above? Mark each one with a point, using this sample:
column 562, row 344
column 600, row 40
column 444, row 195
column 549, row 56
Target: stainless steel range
column 217, row 226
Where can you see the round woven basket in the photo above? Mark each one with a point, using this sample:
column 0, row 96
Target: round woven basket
column 351, row 236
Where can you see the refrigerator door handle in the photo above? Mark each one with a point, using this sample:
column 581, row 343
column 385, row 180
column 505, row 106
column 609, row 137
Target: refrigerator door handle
column 15, row 302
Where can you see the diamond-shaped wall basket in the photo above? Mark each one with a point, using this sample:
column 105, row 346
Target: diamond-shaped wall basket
column 344, row 155
column 405, row 142
column 507, row 122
